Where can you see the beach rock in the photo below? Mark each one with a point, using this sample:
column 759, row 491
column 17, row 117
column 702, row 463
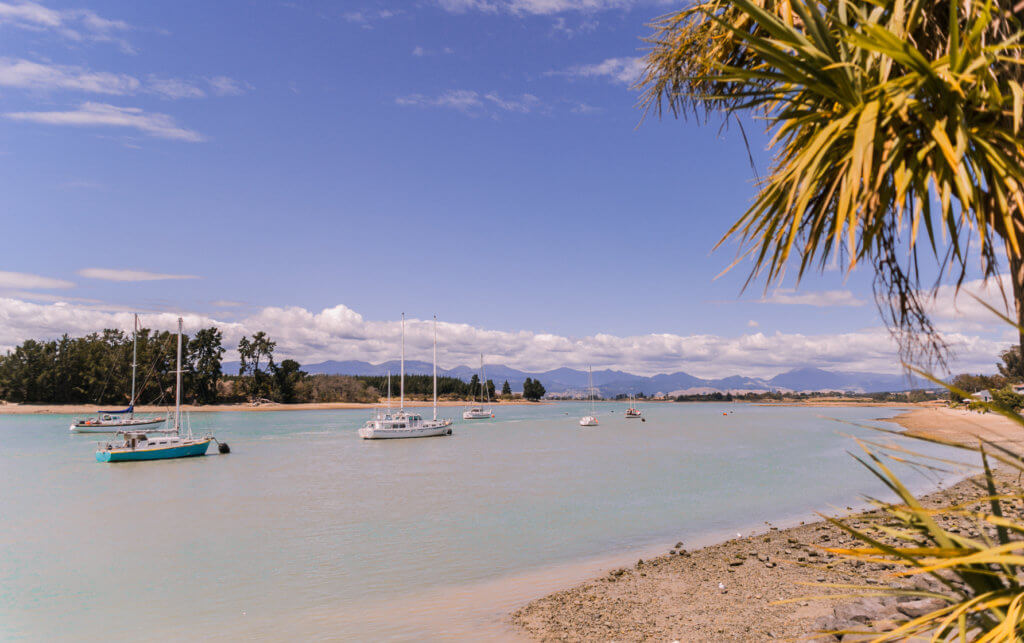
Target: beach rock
column 915, row 609
column 825, row 625
column 865, row 610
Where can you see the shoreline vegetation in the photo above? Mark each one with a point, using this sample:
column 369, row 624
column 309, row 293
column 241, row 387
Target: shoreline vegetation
column 96, row 370
column 10, row 408
column 678, row 596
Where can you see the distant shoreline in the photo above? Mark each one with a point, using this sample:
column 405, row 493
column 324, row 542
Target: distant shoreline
column 91, row 409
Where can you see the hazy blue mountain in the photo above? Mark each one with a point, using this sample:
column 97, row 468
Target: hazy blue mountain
column 817, row 379
column 611, row 383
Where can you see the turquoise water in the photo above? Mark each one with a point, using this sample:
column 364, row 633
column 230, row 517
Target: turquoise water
column 306, row 531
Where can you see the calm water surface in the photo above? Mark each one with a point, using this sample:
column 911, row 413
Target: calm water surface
column 307, row 531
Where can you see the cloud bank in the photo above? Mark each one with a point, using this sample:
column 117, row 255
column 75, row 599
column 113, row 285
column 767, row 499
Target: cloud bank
column 341, row 333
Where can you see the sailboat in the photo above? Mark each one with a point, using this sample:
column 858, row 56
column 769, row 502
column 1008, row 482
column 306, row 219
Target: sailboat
column 163, row 445
column 590, row 420
column 632, row 411
column 388, row 425
column 480, row 412
column 112, row 421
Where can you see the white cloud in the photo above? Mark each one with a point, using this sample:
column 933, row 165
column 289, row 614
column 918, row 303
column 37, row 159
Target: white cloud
column 419, row 51
column 25, row 74
column 225, row 86
column 753, row 324
column 963, row 312
column 366, row 17
column 111, row 274
column 539, row 7
column 341, row 333
column 174, row 88
column 820, row 298
column 104, row 115
column 523, row 104
column 464, row 100
column 475, row 103
column 77, row 25
column 25, row 280
column 619, row 70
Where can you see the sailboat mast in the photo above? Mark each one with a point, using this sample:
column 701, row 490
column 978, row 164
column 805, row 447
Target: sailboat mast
column 177, row 385
column 590, row 381
column 435, row 367
column 389, row 389
column 135, row 357
column 401, row 385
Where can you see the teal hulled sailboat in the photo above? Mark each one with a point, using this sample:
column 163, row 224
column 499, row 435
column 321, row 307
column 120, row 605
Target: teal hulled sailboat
column 164, row 445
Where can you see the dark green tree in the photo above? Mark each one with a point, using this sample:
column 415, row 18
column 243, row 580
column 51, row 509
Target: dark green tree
column 506, row 389
column 490, row 389
column 287, row 378
column 1012, row 366
column 251, row 353
column 533, row 390
column 206, row 351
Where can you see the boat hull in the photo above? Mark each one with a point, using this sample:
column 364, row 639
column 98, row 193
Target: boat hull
column 113, row 427
column 588, row 421
column 477, row 416
column 191, row 450
column 370, row 433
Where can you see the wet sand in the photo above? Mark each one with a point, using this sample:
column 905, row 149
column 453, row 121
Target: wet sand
column 729, row 591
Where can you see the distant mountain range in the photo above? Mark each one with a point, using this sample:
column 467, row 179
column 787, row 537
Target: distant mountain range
column 611, row 383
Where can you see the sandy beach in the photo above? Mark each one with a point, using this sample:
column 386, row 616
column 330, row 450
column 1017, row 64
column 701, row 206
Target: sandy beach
column 962, row 426
column 90, row 409
column 728, row 591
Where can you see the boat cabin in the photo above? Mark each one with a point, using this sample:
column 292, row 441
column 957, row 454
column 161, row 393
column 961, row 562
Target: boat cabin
column 142, row 441
column 397, row 421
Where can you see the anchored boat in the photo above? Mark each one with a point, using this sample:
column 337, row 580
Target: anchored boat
column 164, row 445
column 113, row 421
column 590, row 420
column 632, row 411
column 480, row 412
column 387, row 424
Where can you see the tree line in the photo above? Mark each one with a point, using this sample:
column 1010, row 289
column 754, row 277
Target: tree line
column 97, row 369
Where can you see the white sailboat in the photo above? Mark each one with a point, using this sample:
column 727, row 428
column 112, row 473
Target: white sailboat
column 113, row 421
column 138, row 444
column 590, row 420
column 481, row 412
column 388, row 425
column 632, row 411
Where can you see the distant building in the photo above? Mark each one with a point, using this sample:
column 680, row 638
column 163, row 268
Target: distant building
column 982, row 396
column 1018, row 389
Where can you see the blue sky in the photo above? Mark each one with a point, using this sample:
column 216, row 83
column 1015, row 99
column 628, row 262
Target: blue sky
column 482, row 160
